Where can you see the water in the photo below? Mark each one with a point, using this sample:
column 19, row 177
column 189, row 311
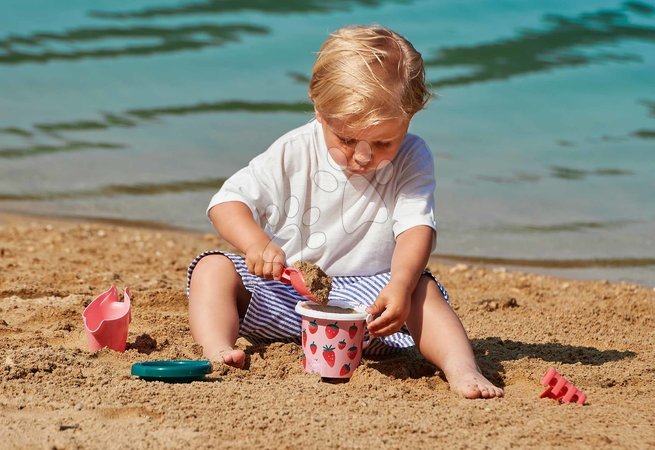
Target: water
column 543, row 129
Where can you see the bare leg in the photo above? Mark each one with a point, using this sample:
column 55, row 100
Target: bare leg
column 442, row 340
column 217, row 298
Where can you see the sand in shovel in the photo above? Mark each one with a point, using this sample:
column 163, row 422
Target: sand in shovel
column 317, row 281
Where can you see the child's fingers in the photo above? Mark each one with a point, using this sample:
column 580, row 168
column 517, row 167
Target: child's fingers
column 267, row 270
column 386, row 331
column 386, row 328
column 278, row 265
column 376, row 311
column 382, row 323
column 272, row 263
column 387, row 323
column 277, row 270
column 250, row 264
column 376, row 308
column 258, row 267
column 272, row 270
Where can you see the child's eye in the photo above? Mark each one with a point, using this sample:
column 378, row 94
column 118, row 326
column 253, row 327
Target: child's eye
column 347, row 141
column 383, row 144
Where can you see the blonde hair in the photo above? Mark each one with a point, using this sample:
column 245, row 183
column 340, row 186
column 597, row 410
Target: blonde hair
column 364, row 75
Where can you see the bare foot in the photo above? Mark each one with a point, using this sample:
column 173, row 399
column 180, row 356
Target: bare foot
column 230, row 356
column 470, row 383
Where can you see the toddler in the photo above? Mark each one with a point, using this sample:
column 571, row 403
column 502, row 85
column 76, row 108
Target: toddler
column 352, row 192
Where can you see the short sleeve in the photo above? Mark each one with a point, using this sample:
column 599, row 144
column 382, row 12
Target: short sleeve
column 415, row 187
column 251, row 185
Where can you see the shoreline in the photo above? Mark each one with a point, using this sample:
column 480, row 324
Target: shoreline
column 536, row 266
column 597, row 334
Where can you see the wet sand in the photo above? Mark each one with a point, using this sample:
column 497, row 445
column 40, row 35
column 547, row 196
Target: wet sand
column 56, row 394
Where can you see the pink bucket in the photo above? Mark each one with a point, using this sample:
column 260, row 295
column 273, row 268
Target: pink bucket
column 107, row 319
column 332, row 339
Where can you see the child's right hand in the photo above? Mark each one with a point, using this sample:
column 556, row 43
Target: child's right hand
column 265, row 259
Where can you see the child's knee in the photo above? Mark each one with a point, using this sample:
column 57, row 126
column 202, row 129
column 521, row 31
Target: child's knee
column 429, row 287
column 212, row 266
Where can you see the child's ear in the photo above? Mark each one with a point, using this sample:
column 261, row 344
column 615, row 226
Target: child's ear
column 318, row 116
column 316, row 113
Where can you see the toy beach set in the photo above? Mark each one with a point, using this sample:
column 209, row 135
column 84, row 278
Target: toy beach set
column 333, row 337
column 106, row 323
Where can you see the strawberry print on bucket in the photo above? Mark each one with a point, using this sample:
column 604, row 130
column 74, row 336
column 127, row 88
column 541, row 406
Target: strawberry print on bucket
column 336, row 339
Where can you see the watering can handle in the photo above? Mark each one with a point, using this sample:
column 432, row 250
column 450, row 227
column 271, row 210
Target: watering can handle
column 111, row 295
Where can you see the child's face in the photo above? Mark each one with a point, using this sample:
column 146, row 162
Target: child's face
column 363, row 151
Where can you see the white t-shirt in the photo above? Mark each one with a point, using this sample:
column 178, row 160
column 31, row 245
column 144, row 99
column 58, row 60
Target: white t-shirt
column 316, row 212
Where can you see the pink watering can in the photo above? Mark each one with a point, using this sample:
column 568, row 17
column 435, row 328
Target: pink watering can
column 106, row 320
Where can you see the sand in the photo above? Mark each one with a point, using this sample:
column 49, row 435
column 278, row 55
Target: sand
column 316, row 280
column 56, row 394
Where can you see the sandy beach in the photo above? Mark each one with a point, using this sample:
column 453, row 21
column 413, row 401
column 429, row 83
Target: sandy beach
column 54, row 393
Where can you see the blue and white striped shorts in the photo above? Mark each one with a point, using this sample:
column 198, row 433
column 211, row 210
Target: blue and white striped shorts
column 271, row 315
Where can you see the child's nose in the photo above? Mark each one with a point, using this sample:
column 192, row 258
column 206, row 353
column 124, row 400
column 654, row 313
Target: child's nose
column 362, row 154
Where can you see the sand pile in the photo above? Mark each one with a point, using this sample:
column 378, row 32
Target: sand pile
column 55, row 394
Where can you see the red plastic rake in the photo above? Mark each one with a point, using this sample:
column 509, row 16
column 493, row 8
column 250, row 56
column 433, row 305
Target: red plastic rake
column 559, row 388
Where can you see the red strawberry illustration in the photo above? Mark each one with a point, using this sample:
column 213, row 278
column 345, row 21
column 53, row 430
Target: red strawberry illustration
column 304, row 337
column 332, row 330
column 342, row 345
column 328, row 355
column 313, row 347
column 352, row 331
column 344, row 370
column 313, row 326
column 352, row 352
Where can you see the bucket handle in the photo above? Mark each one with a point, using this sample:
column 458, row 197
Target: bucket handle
column 367, row 337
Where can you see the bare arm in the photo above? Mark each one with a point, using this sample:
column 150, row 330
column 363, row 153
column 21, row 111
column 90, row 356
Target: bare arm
column 235, row 223
column 410, row 257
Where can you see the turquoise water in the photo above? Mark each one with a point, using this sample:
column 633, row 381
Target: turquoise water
column 543, row 129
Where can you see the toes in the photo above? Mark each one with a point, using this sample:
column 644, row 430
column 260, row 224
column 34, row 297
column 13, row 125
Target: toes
column 491, row 392
column 234, row 358
column 471, row 391
column 480, row 389
column 231, row 357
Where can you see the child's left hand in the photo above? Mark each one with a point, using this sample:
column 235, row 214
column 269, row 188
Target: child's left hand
column 390, row 310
